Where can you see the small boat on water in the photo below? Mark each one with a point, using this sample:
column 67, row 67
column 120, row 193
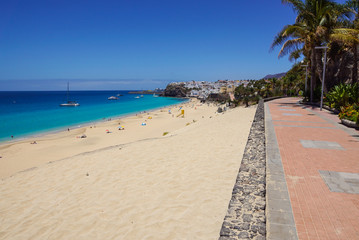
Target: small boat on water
column 154, row 95
column 69, row 103
column 119, row 95
column 141, row 95
column 137, row 97
column 112, row 98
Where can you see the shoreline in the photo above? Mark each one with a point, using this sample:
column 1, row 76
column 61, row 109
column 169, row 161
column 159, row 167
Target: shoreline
column 44, row 133
column 25, row 144
column 127, row 184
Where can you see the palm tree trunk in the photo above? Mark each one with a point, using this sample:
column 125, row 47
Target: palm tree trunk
column 355, row 64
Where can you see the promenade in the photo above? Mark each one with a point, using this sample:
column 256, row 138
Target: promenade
column 312, row 173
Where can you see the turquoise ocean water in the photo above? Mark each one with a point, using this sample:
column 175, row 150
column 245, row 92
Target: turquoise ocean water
column 29, row 113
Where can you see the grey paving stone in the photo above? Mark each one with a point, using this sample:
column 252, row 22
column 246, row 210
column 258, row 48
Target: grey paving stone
column 279, row 216
column 291, row 114
column 277, row 185
column 276, row 178
column 287, row 109
column 279, row 205
column 272, row 170
column 341, row 181
column 281, row 232
column 321, row 144
column 277, row 194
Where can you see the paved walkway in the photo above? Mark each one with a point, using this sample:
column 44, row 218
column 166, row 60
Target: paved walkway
column 320, row 160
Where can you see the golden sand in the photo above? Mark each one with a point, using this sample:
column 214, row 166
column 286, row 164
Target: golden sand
column 137, row 183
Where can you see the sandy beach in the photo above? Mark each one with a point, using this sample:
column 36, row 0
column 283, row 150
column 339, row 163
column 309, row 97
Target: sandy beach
column 169, row 179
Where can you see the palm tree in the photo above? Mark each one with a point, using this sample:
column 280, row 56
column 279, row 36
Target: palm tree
column 243, row 93
column 315, row 20
column 353, row 7
column 350, row 38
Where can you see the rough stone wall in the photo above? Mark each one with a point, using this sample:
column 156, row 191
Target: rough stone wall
column 245, row 218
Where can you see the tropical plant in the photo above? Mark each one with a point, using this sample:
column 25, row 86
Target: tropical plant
column 342, row 95
column 293, row 81
column 267, row 90
column 350, row 112
column 243, row 94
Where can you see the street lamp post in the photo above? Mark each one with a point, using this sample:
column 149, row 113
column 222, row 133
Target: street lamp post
column 306, row 75
column 324, row 63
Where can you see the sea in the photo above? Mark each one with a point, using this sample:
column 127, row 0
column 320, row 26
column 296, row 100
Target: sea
column 29, row 113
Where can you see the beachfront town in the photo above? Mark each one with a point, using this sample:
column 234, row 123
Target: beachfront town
column 202, row 89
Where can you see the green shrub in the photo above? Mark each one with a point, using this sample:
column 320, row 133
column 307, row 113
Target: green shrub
column 342, row 95
column 350, row 112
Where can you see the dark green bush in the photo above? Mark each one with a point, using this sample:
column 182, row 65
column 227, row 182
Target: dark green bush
column 342, row 95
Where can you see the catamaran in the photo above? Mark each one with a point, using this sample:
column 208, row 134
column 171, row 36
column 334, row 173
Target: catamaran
column 69, row 103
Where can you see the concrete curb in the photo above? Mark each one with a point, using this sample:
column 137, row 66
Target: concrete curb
column 279, row 215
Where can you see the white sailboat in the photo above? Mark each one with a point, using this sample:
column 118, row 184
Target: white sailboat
column 69, row 103
column 112, row 98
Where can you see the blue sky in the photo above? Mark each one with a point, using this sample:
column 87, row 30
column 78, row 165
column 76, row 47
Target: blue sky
column 137, row 44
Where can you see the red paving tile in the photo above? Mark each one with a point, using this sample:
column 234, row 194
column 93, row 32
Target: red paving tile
column 318, row 212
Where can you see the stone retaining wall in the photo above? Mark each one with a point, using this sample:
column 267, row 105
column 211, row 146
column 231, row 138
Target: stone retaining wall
column 245, row 218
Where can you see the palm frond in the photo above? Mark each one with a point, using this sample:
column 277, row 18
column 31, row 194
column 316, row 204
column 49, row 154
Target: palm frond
column 290, row 46
column 280, row 38
column 347, row 36
column 348, row 31
column 295, row 54
column 297, row 5
column 352, row 5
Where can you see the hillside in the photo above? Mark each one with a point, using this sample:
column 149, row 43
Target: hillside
column 278, row 75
